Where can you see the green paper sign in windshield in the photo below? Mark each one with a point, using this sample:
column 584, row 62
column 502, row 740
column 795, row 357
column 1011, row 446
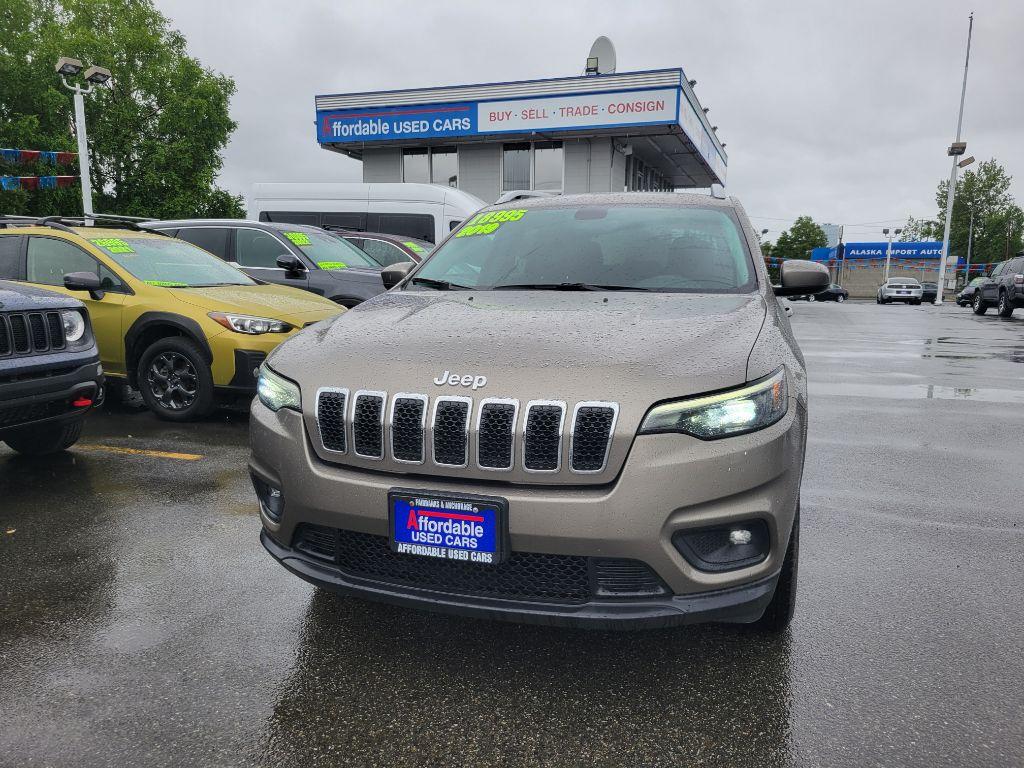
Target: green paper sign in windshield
column 112, row 244
column 298, row 238
column 486, row 223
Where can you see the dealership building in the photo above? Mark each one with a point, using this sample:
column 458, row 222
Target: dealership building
column 595, row 133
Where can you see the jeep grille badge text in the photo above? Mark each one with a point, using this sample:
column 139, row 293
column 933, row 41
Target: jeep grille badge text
column 455, row 380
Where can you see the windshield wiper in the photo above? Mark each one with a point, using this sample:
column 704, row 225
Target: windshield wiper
column 441, row 285
column 566, row 287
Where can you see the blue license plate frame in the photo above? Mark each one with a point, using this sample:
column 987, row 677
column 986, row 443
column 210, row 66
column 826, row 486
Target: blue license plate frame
column 458, row 527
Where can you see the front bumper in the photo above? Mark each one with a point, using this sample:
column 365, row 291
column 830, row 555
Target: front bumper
column 669, row 483
column 37, row 400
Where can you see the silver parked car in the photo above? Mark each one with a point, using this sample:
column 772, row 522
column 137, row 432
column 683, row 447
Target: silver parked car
column 899, row 289
column 586, row 410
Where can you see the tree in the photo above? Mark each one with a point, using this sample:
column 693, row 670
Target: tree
column 998, row 220
column 798, row 241
column 918, row 230
column 155, row 137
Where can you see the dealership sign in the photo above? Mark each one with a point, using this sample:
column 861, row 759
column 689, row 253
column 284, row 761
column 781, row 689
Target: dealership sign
column 917, row 251
column 658, row 106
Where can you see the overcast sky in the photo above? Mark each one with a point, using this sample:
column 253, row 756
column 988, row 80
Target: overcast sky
column 838, row 110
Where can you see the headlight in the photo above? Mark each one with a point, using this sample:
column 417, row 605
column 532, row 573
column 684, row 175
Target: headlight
column 74, row 325
column 276, row 392
column 747, row 409
column 250, row 324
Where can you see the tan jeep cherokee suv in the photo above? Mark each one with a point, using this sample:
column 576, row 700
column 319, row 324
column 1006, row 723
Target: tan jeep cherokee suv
column 585, row 410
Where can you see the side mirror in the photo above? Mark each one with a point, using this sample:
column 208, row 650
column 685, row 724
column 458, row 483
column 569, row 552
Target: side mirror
column 84, row 281
column 393, row 275
column 290, row 263
column 799, row 277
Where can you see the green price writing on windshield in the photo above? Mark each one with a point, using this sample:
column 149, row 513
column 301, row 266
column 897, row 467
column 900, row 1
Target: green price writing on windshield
column 166, row 284
column 415, row 248
column 332, row 265
column 298, row 238
column 486, row 223
column 113, row 244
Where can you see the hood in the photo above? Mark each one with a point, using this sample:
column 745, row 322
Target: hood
column 15, row 297
column 633, row 349
column 534, row 344
column 275, row 301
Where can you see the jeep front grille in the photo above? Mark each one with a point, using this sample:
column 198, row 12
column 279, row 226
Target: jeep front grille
column 454, row 427
column 24, row 333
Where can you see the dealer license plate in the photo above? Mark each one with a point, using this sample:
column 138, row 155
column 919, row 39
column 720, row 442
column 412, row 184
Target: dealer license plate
column 448, row 526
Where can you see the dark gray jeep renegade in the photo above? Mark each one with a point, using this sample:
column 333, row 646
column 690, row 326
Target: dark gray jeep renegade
column 50, row 372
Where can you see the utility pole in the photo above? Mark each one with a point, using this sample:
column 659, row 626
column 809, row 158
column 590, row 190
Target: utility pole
column 67, row 67
column 958, row 148
column 970, row 240
column 888, row 255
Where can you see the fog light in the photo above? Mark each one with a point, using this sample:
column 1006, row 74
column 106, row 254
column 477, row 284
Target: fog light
column 740, row 536
column 724, row 547
column 271, row 498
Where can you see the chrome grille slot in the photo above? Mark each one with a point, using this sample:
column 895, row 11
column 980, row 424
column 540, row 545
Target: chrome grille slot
column 495, row 433
column 542, row 435
column 451, row 431
column 368, row 424
column 408, row 422
column 590, row 435
column 330, row 418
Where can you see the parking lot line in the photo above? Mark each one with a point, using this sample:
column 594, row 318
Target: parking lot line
column 141, row 452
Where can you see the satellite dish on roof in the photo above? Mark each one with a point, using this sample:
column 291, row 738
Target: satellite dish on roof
column 601, row 60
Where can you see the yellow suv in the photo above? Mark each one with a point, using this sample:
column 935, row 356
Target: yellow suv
column 174, row 321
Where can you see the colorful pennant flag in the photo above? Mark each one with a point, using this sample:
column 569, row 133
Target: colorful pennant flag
column 25, row 156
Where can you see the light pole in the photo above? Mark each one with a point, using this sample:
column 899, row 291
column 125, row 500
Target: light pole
column 888, row 250
column 956, row 149
column 67, row 67
column 970, row 240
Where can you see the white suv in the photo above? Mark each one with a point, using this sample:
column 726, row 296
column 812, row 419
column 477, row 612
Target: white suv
column 899, row 289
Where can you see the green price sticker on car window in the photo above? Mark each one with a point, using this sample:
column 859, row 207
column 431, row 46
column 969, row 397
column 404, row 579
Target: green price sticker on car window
column 414, row 247
column 166, row 284
column 486, row 223
column 332, row 265
column 113, row 244
column 298, row 238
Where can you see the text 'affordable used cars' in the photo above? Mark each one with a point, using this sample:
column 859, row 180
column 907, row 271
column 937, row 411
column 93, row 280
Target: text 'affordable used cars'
column 587, row 410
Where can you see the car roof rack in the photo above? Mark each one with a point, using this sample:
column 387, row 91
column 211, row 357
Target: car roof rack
column 64, row 223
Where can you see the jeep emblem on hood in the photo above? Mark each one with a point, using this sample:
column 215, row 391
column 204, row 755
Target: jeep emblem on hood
column 455, row 380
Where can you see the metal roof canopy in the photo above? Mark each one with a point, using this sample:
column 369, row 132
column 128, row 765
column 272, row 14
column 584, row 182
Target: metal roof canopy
column 685, row 150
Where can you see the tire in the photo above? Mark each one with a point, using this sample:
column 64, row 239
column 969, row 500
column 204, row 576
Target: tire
column 1004, row 307
column 175, row 380
column 779, row 612
column 42, row 439
column 978, row 304
column 840, row 299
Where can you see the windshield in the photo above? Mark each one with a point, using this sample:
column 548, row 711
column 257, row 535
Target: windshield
column 168, row 262
column 625, row 247
column 329, row 251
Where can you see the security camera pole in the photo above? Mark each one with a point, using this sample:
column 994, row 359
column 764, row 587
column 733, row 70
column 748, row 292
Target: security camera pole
column 957, row 149
column 68, row 67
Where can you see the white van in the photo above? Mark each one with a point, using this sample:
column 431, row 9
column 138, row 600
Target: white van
column 423, row 211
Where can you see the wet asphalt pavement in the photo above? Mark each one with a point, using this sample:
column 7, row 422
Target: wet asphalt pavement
column 142, row 624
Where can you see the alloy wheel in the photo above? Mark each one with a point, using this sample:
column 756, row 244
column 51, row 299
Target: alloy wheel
column 173, row 381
